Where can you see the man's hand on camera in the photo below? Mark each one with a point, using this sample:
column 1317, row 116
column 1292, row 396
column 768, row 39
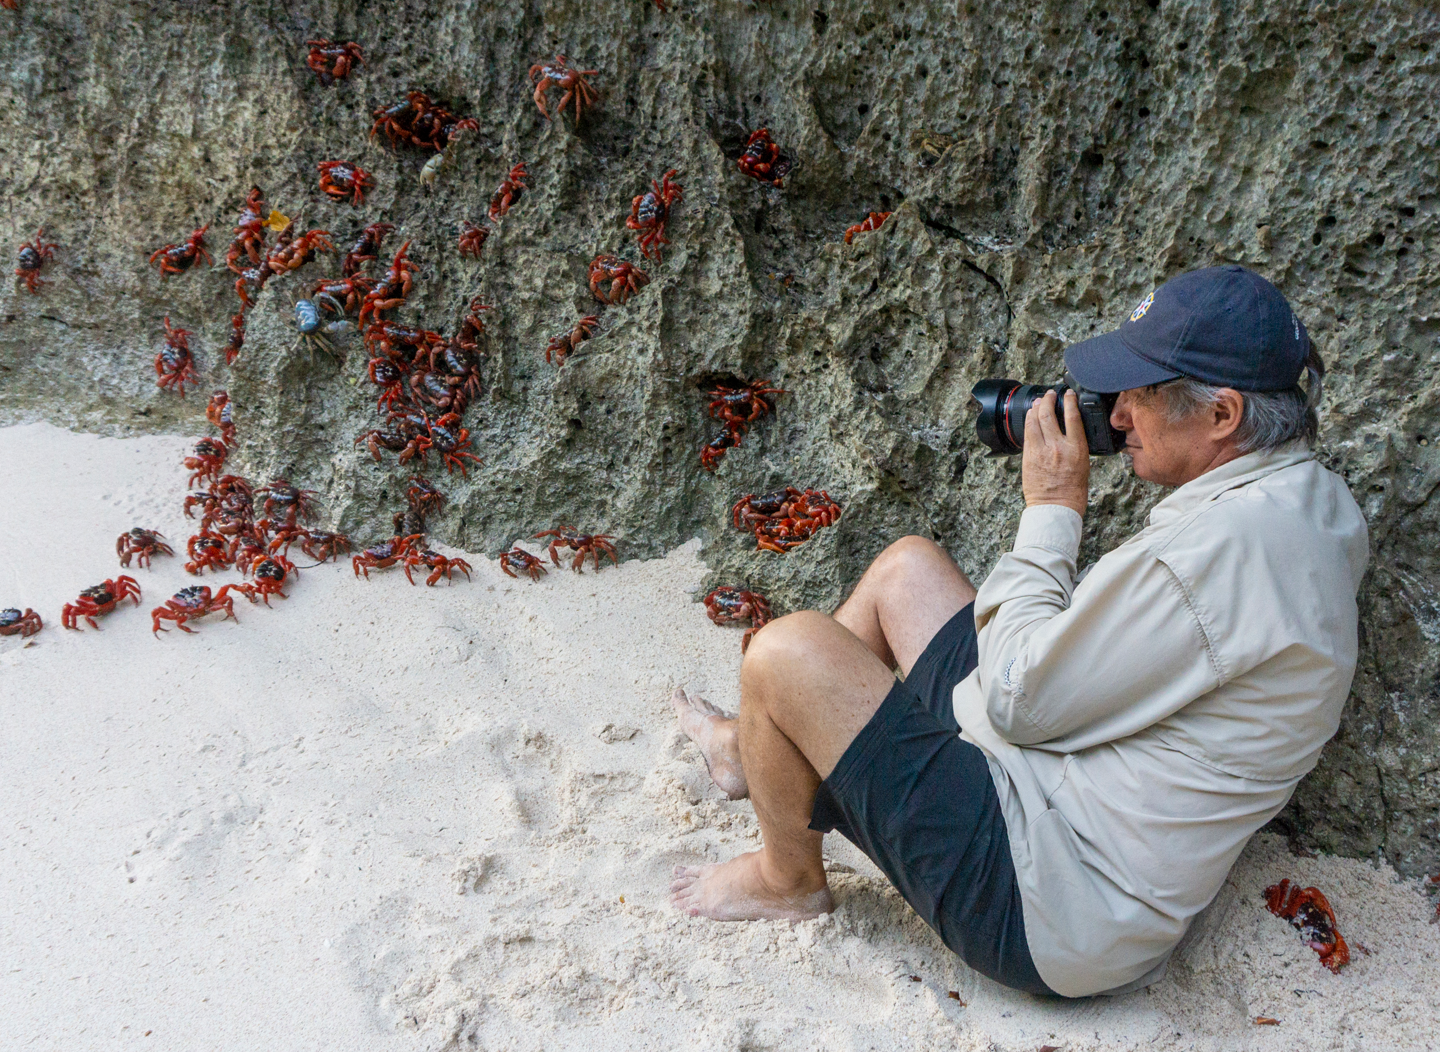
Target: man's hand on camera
column 1055, row 466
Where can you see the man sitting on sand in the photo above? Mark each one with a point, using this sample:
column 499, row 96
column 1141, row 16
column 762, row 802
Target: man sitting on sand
column 1070, row 765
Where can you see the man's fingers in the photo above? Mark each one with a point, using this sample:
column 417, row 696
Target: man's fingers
column 1074, row 425
column 1048, row 421
column 1034, row 437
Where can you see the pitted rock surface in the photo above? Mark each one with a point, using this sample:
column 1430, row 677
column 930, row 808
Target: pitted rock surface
column 1048, row 165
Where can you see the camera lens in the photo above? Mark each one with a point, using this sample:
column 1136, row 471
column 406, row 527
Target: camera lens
column 1003, row 405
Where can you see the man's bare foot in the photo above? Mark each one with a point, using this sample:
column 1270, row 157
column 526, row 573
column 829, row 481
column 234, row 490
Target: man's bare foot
column 737, row 890
column 715, row 733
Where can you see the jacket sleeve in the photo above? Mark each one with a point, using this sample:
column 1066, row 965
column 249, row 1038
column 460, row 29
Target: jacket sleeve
column 1081, row 665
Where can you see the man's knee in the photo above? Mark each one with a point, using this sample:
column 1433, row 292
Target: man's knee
column 786, row 645
column 909, row 558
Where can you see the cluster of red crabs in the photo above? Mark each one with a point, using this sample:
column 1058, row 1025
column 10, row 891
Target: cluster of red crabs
column 425, row 379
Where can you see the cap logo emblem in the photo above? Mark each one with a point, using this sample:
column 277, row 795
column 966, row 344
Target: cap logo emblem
column 1139, row 312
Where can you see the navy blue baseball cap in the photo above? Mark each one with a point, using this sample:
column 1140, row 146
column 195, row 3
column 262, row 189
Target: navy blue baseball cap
column 1225, row 326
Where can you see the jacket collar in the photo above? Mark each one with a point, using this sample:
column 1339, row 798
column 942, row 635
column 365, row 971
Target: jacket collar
column 1241, row 471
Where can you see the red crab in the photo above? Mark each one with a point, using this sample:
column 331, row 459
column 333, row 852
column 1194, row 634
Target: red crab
column 291, row 251
column 451, row 383
column 190, row 603
column 713, row 451
column 1309, row 912
column 472, row 239
column 509, row 191
column 342, row 179
column 650, row 210
column 435, row 562
column 406, row 434
column 564, row 344
column 270, row 573
column 321, row 545
column 32, row 257
column 593, row 544
column 349, row 292
column 423, row 496
column 390, row 378
column 218, row 412
column 557, row 72
column 141, row 544
column 13, row 622
column 391, row 291
column 420, row 121
column 450, row 442
column 208, row 551
column 230, row 493
column 744, row 404
column 176, row 259
column 175, row 365
column 366, row 246
column 206, row 460
column 867, row 225
column 98, row 600
column 786, row 518
column 331, row 62
column 237, row 338
column 10, row 5
column 472, row 326
column 726, row 604
column 385, row 554
column 294, row 504
column 762, row 159
column 249, row 239
column 623, row 279
column 519, row 558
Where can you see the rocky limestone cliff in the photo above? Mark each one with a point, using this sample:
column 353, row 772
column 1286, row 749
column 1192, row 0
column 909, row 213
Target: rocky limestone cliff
column 1047, row 166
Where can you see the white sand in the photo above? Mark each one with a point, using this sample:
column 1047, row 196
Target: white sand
column 381, row 816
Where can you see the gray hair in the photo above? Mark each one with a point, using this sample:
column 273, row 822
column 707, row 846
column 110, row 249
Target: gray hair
column 1269, row 419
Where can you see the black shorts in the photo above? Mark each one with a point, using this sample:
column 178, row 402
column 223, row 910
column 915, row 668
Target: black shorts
column 921, row 804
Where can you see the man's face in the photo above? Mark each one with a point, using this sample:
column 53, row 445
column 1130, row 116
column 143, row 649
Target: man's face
column 1170, row 452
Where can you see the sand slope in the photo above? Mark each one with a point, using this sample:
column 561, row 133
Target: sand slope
column 381, row 816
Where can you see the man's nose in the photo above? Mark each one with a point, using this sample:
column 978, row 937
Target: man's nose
column 1120, row 415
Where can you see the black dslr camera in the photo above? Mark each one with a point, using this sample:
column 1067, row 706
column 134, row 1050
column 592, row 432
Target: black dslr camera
column 1004, row 403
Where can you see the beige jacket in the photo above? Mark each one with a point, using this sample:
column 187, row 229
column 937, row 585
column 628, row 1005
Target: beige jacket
column 1142, row 723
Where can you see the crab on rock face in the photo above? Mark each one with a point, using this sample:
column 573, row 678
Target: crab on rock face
column 613, row 280
column 99, row 600
column 762, row 159
column 726, row 604
column 563, row 344
column 31, row 258
column 391, row 290
column 176, row 259
column 557, row 73
column 593, row 544
column 472, row 239
column 219, row 413
column 331, row 62
column 190, row 603
column 509, row 191
column 13, row 622
column 292, row 251
column 141, row 544
column 650, row 210
column 874, row 222
column 365, row 248
column 313, row 331
column 342, row 179
column 175, row 365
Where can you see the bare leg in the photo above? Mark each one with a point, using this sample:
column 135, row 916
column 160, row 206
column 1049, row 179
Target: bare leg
column 907, row 595
column 807, row 688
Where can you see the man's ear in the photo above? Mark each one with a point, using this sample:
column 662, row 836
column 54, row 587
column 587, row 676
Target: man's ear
column 1227, row 411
